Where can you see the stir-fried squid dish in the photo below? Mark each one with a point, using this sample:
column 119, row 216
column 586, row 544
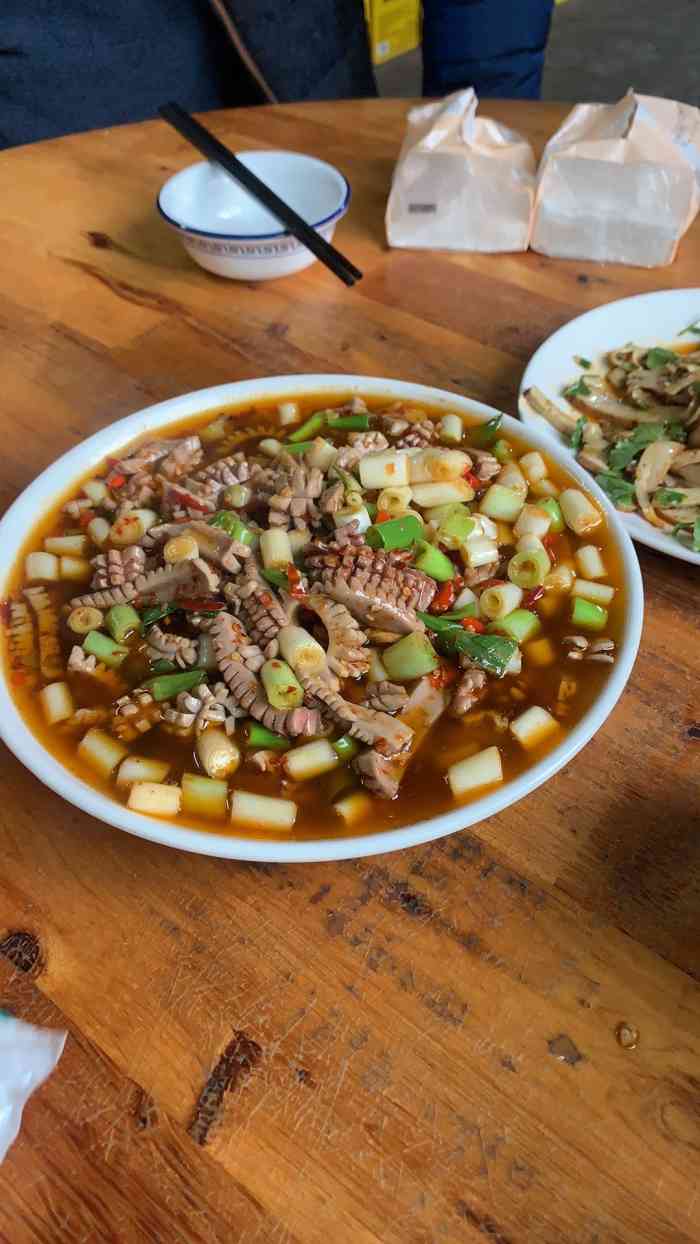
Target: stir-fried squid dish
column 638, row 432
column 294, row 618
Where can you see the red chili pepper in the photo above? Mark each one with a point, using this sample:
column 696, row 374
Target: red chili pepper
column 383, row 516
column 5, row 612
column 86, row 517
column 18, row 677
column 551, row 543
column 189, row 501
column 443, row 677
column 473, row 480
column 116, row 481
column 530, row 598
column 202, row 605
column 294, row 580
column 474, row 624
column 444, row 598
column 491, row 583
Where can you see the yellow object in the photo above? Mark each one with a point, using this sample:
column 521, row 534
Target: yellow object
column 394, row 28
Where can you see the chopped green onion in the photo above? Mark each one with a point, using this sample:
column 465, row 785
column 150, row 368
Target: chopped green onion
column 625, row 451
column 619, row 490
column 668, row 496
column 486, row 434
column 432, row 561
column 520, row 625
column 448, row 621
column 658, row 357
column 529, row 569
column 371, row 508
column 587, row 615
column 155, row 613
column 582, row 362
column 691, row 328
column 350, row 482
column 260, row 736
column 492, row 653
column 122, row 620
column 162, row 666
column 577, row 435
column 105, row 649
column 395, row 533
column 455, row 526
column 232, row 525
column 578, row 389
column 350, row 423
column 345, row 747
column 282, row 687
column 551, row 506
column 301, row 448
column 311, row 427
column 165, row 686
column 410, row 657
column 278, row 578
column 502, row 451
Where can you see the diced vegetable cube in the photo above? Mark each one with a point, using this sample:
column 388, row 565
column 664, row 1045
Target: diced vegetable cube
column 432, row 561
column 103, row 647
column 275, row 549
column 282, row 687
column 66, row 546
column 383, row 469
column 410, row 657
column 101, row 752
column 540, row 652
column 500, row 600
column 74, row 569
column 533, row 466
column 532, row 521
column 436, row 466
column 262, row 811
column 474, row 772
column 534, row 726
column 218, row 754
column 154, row 799
column 287, row 412
column 41, row 568
column 580, row 514
column 479, row 551
column 520, row 625
column 84, row 619
column 589, row 562
column 56, row 702
column 204, row 796
column 586, row 614
column 601, row 593
column 428, row 495
column 451, row 429
column 301, row 650
column 142, row 769
column 180, row 549
column 122, row 621
column 98, row 530
column 556, row 518
column 310, row 760
column 501, row 503
column 353, row 807
column 512, row 477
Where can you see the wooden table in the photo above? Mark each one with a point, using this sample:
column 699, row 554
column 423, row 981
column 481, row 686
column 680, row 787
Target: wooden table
column 420, row 1047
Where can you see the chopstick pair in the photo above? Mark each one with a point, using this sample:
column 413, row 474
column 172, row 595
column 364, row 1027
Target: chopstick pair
column 212, row 149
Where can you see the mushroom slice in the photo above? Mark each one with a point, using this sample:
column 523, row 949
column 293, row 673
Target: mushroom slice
column 652, row 469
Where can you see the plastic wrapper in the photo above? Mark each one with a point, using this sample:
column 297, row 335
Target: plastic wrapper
column 619, row 183
column 27, row 1056
column 462, row 182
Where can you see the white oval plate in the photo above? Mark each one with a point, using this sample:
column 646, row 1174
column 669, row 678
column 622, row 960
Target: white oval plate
column 646, row 319
column 59, row 477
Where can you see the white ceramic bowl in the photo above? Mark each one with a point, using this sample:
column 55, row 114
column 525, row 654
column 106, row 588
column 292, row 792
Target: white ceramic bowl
column 227, row 231
column 57, row 479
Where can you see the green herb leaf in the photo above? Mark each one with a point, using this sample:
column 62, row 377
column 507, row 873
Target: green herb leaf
column 619, row 490
column 668, row 496
column 658, row 357
column 584, row 363
column 154, row 613
column 625, row 451
column 692, row 328
column 486, row 434
column 491, row 652
column 577, row 435
column 278, row 578
column 578, row 389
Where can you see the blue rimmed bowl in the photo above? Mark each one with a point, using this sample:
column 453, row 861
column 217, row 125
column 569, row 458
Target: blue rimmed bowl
column 225, row 230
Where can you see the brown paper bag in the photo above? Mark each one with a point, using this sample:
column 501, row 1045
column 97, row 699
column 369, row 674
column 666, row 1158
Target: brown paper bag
column 619, row 182
column 462, row 182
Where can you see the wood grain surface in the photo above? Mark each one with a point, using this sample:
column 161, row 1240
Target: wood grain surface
column 412, row 1049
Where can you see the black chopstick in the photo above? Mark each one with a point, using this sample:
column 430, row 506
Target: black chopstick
column 212, row 149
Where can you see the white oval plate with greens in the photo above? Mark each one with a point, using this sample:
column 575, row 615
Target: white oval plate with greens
column 661, row 318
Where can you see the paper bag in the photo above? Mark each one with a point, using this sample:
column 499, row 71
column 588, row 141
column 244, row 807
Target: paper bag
column 619, row 182
column 462, row 182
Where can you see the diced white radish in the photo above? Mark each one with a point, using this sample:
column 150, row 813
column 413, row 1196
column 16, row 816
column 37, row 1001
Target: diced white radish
column 56, row 702
column 141, row 769
column 218, row 755
column 237, row 495
column 533, row 726
column 560, row 579
column 532, row 521
column 299, row 539
column 510, row 476
column 96, row 490
column 287, row 412
column 349, row 515
column 270, row 447
column 437, row 466
column 41, row 568
column 180, row 549
column 154, row 799
column 148, row 518
column 322, row 454
column 85, row 619
column 533, row 466
column 383, row 469
column 301, row 650
column 483, row 769
column 495, row 602
column 214, row 431
column 590, row 562
column 544, row 488
column 540, row 652
column 600, row 593
column 126, row 530
column 98, row 530
column 377, row 670
column 504, row 504
column 310, row 760
column 442, row 494
column 354, row 807
column 101, row 752
column 580, row 514
column 395, row 500
column 68, row 546
column 485, row 526
column 75, row 569
column 466, row 597
column 479, row 551
column 451, row 429
column 262, row 811
column 275, row 549
column 204, row 796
